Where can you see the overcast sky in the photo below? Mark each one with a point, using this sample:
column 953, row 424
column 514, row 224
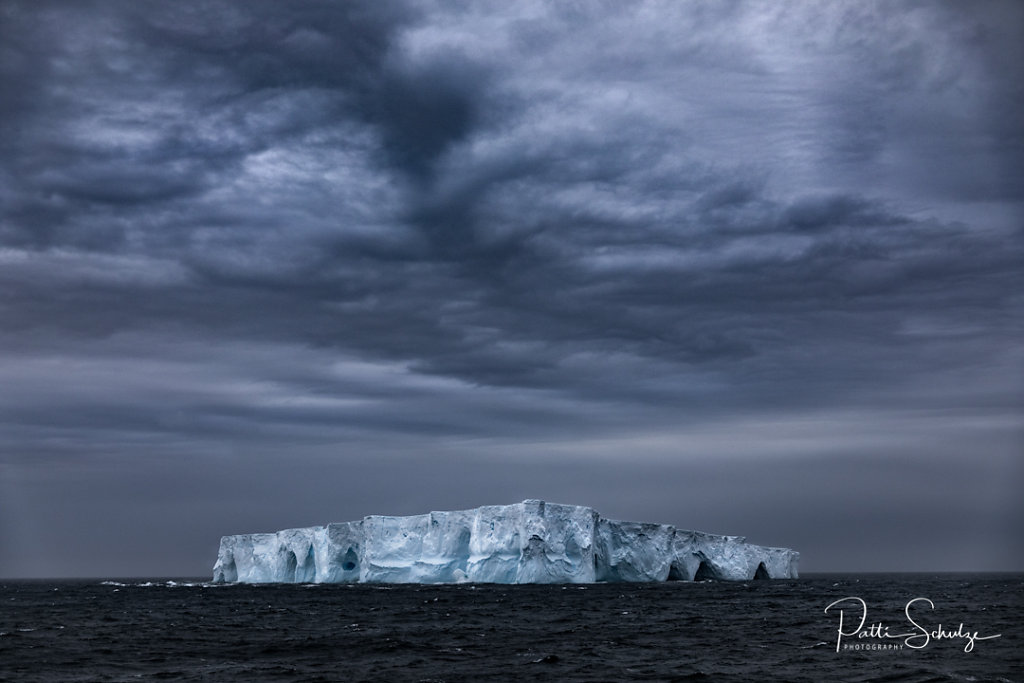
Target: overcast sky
column 746, row 267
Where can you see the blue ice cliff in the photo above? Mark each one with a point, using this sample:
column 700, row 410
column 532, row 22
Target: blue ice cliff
column 528, row 542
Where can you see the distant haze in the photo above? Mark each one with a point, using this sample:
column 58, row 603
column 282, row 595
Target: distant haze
column 750, row 268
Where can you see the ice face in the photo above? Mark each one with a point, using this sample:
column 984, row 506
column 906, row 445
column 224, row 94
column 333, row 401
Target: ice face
column 528, row 542
column 634, row 551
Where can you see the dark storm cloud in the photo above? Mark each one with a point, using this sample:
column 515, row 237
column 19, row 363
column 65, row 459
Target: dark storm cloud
column 665, row 232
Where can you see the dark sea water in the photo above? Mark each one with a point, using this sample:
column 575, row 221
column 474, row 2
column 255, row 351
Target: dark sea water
column 133, row 630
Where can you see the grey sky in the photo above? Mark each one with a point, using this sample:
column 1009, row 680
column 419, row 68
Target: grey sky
column 744, row 267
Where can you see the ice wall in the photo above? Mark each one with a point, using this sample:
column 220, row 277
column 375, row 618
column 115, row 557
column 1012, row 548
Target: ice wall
column 528, row 542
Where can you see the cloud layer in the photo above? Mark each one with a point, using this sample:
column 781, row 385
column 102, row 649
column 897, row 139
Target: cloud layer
column 612, row 239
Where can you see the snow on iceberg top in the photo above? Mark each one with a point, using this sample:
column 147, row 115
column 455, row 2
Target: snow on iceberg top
column 528, row 542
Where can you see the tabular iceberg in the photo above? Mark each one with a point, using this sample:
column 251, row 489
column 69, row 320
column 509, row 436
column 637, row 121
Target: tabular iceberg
column 528, row 542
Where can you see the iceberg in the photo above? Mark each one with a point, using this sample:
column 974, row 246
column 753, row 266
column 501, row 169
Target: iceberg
column 528, row 542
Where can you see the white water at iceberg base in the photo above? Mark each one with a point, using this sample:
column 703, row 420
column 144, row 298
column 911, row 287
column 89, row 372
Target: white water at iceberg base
column 528, row 542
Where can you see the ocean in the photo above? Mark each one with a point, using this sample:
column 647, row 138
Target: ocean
column 158, row 629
